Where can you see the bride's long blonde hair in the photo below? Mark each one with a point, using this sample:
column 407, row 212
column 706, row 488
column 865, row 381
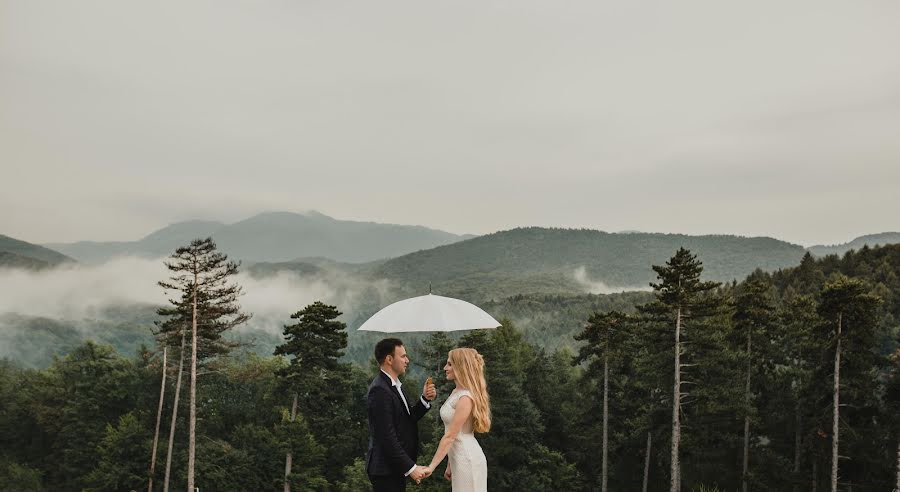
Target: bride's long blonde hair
column 468, row 366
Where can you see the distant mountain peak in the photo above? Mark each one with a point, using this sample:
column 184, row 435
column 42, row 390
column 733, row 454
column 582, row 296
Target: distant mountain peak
column 282, row 215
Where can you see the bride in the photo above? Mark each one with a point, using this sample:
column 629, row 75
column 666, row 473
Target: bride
column 467, row 410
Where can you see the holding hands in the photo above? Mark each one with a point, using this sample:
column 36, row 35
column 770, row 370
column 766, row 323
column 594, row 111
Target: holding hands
column 422, row 472
column 419, row 473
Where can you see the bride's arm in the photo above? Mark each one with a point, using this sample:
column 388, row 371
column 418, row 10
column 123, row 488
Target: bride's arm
column 463, row 412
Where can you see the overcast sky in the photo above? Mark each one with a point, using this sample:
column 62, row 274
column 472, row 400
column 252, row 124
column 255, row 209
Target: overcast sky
column 765, row 117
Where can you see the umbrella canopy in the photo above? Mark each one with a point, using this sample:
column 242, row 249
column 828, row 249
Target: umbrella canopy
column 429, row 313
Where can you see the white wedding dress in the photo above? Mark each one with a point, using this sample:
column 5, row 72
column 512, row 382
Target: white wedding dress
column 468, row 466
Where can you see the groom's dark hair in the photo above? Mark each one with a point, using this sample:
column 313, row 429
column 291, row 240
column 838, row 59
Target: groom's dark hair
column 385, row 348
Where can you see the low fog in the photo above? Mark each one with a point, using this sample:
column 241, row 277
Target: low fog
column 598, row 287
column 89, row 292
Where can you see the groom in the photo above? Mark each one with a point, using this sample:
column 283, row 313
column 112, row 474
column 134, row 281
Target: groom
column 393, row 423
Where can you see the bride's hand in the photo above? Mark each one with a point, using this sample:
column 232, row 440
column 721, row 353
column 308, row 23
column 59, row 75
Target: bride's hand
column 447, row 473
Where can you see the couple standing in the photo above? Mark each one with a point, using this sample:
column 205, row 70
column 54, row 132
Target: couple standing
column 393, row 423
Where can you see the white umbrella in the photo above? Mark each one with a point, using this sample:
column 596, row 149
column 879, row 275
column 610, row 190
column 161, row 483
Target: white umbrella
column 429, row 313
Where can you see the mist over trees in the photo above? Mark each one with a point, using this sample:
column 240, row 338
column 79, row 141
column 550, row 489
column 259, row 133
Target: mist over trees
column 786, row 380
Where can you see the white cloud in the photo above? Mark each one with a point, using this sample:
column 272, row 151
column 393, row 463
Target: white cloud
column 597, row 287
column 85, row 292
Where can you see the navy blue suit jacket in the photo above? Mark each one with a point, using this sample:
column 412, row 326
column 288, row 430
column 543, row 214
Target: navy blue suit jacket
column 393, row 433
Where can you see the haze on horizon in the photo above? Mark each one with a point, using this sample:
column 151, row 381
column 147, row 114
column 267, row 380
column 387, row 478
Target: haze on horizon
column 765, row 118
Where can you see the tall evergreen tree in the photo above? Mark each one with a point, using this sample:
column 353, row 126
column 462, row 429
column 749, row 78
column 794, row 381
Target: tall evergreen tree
column 76, row 398
column 603, row 336
column 893, row 406
column 321, row 386
column 120, row 455
column 850, row 315
column 754, row 318
column 202, row 275
column 797, row 357
column 681, row 298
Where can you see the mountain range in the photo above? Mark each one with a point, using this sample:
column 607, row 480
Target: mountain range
column 518, row 261
column 545, row 279
column 275, row 236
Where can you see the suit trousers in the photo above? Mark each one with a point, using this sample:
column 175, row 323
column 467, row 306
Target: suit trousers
column 388, row 483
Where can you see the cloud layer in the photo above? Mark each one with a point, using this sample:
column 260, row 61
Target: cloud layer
column 88, row 292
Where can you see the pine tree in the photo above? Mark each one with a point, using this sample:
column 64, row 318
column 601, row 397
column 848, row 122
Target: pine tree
column 209, row 302
column 76, row 398
column 754, row 319
column 850, row 320
column 315, row 377
column 797, row 357
column 681, row 298
column 120, row 455
column 603, row 336
column 892, row 398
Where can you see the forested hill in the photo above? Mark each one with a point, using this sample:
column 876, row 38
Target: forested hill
column 870, row 240
column 20, row 254
column 878, row 267
column 531, row 260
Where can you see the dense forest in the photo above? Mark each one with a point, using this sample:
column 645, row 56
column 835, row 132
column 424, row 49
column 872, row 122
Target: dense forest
column 786, row 380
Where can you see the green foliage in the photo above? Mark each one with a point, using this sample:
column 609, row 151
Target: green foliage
column 84, row 421
column 314, row 345
column 122, row 457
column 325, row 387
column 355, row 478
column 541, row 260
column 19, row 478
column 75, row 400
column 200, row 275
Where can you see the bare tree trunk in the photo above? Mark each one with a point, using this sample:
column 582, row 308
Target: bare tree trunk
column 192, row 423
column 836, row 412
column 815, row 475
column 797, row 444
column 604, row 478
column 174, row 414
column 647, row 461
column 747, row 419
column 898, row 465
column 289, row 459
column 675, row 482
column 162, row 396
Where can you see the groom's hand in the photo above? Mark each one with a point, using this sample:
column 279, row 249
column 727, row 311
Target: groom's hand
column 419, row 473
column 429, row 391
